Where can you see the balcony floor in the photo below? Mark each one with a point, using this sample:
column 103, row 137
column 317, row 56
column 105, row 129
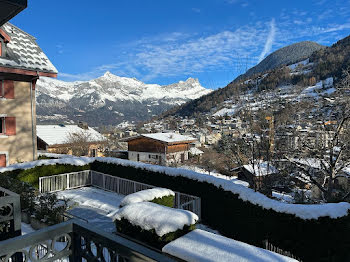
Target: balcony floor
column 95, row 205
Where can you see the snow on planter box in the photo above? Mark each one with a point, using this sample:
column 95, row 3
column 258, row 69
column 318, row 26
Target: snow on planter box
column 199, row 245
column 158, row 195
column 154, row 224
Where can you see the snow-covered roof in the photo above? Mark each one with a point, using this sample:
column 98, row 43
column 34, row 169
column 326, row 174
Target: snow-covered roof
column 162, row 219
column 170, row 137
column 200, row 245
column 195, row 151
column 261, row 169
column 59, row 134
column 23, row 52
column 146, row 195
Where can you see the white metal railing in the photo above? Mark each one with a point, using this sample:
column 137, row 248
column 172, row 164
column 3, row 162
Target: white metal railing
column 114, row 184
column 64, row 181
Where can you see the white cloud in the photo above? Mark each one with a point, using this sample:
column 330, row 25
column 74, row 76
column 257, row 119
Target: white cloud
column 269, row 40
column 231, row 51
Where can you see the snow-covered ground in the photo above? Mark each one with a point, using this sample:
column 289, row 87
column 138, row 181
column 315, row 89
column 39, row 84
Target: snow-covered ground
column 26, row 228
column 93, row 205
column 214, row 173
column 283, row 197
column 93, row 197
column 200, row 246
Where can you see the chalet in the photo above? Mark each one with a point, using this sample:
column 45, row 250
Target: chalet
column 22, row 62
column 255, row 174
column 70, row 139
column 159, row 148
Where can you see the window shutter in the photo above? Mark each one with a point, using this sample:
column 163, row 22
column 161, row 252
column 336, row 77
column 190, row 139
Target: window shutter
column 2, row 160
column 0, row 48
column 10, row 123
column 9, row 89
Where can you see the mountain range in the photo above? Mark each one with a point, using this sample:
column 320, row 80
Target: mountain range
column 110, row 99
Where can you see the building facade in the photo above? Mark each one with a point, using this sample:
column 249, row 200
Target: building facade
column 160, row 148
column 79, row 140
column 22, row 62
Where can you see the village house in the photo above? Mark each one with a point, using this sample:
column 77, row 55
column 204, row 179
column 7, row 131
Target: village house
column 22, row 62
column 256, row 174
column 159, row 148
column 70, row 139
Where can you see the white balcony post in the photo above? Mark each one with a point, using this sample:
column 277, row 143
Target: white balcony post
column 68, row 181
column 40, row 185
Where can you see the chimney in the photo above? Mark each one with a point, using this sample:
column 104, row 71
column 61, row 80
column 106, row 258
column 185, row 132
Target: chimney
column 83, row 125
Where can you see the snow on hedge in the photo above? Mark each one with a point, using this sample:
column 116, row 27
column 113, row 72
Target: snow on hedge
column 333, row 210
column 199, row 245
column 162, row 219
column 146, row 195
column 54, row 155
column 75, row 161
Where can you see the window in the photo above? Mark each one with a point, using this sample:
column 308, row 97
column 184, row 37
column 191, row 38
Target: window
column 3, row 160
column 153, row 156
column 2, row 125
column 8, row 126
column 94, row 152
column 7, row 89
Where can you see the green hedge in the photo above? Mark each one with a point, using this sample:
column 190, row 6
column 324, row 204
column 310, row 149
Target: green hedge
column 32, row 175
column 149, row 236
column 319, row 240
column 167, row 201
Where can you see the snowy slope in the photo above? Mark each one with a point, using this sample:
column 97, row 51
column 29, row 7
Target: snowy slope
column 113, row 98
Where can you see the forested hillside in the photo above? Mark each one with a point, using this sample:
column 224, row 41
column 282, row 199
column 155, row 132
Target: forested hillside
column 323, row 63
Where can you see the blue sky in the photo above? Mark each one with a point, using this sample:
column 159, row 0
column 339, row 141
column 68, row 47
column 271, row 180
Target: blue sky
column 163, row 41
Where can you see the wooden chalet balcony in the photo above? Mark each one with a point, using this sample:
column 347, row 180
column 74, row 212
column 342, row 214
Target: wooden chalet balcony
column 10, row 8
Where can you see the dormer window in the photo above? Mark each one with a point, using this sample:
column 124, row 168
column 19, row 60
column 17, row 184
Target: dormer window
column 4, row 38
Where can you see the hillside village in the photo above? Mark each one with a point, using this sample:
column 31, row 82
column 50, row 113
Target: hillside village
column 116, row 169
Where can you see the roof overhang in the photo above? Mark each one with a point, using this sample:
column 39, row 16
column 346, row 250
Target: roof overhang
column 19, row 71
column 10, row 8
column 154, row 139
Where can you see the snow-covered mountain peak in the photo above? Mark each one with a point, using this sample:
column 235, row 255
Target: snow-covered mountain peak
column 114, row 95
column 108, row 74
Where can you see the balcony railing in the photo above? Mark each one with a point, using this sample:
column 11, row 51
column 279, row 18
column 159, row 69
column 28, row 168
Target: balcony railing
column 10, row 214
column 115, row 184
column 75, row 241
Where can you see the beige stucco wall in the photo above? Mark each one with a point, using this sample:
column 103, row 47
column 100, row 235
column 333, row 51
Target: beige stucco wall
column 20, row 146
